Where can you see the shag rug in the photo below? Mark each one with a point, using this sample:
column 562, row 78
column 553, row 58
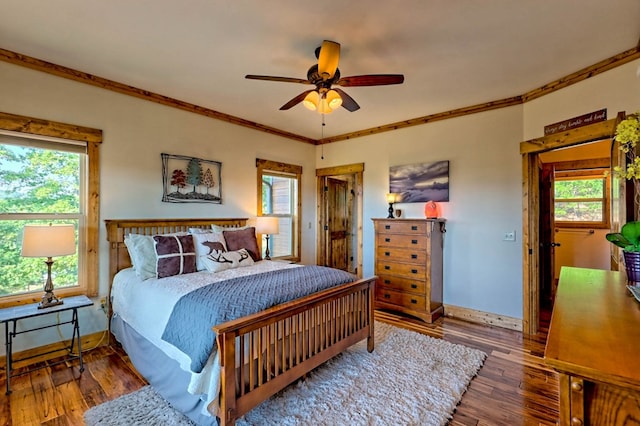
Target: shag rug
column 409, row 379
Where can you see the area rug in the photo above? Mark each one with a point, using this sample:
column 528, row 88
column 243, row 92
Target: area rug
column 410, row 379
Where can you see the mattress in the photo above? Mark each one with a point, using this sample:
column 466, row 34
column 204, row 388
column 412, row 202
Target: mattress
column 146, row 306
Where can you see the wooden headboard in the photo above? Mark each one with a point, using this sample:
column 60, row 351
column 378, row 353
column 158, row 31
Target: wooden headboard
column 118, row 228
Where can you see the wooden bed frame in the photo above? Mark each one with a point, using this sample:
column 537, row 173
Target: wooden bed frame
column 263, row 353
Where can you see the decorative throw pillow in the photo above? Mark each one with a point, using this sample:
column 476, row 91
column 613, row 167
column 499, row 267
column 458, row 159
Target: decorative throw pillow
column 176, row 255
column 205, row 244
column 243, row 238
column 217, row 261
column 143, row 253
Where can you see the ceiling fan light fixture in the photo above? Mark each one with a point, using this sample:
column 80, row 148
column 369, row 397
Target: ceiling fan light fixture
column 311, row 101
column 333, row 99
column 323, row 106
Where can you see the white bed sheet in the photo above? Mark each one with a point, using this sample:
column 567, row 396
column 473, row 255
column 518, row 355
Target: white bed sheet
column 147, row 305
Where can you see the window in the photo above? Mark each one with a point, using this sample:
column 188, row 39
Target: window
column 45, row 179
column 581, row 198
column 279, row 196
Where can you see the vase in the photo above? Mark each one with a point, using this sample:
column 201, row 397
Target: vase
column 632, row 265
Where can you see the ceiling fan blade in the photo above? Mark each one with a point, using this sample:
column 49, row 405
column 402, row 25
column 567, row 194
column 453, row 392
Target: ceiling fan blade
column 328, row 59
column 348, row 102
column 371, row 80
column 296, row 100
column 280, row 79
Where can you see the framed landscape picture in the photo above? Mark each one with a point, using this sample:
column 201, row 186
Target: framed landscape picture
column 418, row 183
column 191, row 180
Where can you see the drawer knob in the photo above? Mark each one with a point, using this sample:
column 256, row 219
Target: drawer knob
column 414, row 271
column 576, row 421
column 386, row 253
column 414, row 228
column 387, row 227
column 387, row 281
column 414, row 241
column 386, row 240
column 414, row 301
column 576, row 386
column 387, row 267
column 414, row 286
column 414, row 256
column 387, row 296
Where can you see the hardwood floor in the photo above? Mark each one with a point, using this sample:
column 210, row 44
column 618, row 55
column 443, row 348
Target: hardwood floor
column 512, row 388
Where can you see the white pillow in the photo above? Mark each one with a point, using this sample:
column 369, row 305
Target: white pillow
column 206, row 243
column 218, row 228
column 143, row 254
column 220, row 260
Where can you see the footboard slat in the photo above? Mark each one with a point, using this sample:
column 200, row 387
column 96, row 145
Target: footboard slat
column 282, row 344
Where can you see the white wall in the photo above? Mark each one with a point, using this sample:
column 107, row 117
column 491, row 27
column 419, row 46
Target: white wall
column 481, row 271
column 616, row 90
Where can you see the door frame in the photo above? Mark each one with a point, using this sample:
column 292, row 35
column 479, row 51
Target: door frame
column 356, row 170
column 531, row 212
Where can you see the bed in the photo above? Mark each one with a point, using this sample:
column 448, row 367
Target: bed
column 255, row 355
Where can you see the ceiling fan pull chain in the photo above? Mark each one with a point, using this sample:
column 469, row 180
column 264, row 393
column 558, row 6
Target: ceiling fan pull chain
column 322, row 138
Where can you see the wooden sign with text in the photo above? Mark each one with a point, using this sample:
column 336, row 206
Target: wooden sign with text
column 572, row 123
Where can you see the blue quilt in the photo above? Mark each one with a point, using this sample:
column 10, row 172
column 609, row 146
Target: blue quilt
column 190, row 322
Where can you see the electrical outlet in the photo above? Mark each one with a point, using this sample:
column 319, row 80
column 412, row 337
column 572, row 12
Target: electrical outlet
column 103, row 305
column 509, row 236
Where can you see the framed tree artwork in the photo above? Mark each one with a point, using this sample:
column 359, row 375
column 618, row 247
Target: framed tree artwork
column 191, row 180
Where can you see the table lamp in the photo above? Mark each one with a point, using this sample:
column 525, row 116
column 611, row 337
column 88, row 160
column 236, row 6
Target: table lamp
column 267, row 225
column 391, row 199
column 48, row 241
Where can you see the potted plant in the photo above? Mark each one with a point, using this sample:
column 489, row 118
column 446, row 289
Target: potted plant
column 628, row 135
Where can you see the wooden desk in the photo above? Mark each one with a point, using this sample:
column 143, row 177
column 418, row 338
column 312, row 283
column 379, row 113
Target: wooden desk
column 594, row 343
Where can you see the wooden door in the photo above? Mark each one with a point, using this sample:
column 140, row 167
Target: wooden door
column 547, row 234
column 338, row 223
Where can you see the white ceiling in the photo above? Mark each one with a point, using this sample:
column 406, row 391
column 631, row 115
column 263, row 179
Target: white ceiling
column 453, row 53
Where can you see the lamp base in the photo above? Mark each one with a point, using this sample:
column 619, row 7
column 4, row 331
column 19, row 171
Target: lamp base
column 48, row 300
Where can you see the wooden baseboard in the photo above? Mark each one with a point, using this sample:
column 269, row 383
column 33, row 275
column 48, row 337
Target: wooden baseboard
column 483, row 317
column 88, row 342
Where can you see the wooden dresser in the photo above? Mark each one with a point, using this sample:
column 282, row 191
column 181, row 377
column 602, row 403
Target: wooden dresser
column 594, row 344
column 408, row 263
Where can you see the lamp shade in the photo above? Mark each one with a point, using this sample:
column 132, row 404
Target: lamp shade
column 333, row 99
column 392, row 197
column 267, row 225
column 48, row 240
column 311, row 101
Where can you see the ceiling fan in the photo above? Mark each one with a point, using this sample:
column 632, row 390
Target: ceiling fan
column 324, row 75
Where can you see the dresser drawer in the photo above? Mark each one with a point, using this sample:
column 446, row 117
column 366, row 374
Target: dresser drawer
column 400, row 269
column 415, row 242
column 408, row 300
column 397, row 227
column 388, row 282
column 409, row 255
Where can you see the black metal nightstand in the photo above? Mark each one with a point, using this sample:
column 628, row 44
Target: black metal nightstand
column 14, row 314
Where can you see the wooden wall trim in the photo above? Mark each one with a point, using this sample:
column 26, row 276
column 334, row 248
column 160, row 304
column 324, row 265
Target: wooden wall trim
column 83, row 77
column 69, row 73
column 590, row 133
column 480, row 317
column 37, row 126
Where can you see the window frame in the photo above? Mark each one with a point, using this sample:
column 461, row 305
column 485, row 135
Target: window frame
column 35, row 128
column 577, row 174
column 279, row 169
